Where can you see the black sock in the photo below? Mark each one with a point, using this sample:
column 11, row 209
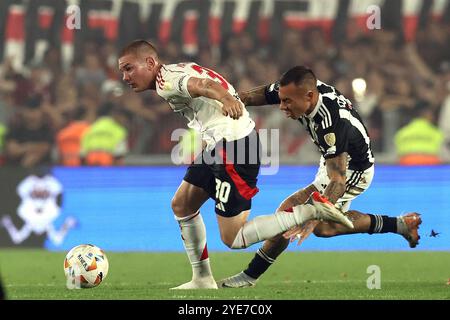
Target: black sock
column 259, row 264
column 382, row 224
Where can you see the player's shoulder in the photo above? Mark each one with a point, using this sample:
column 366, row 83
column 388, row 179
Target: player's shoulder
column 324, row 88
column 171, row 79
column 181, row 66
column 329, row 96
column 328, row 92
column 331, row 103
column 176, row 69
column 169, row 74
column 332, row 99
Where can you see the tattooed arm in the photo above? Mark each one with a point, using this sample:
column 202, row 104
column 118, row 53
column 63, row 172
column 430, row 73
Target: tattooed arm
column 297, row 198
column 336, row 170
column 262, row 95
column 254, row 97
column 200, row 87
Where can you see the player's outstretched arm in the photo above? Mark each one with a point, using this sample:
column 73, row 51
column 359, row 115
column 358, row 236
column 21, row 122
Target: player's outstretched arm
column 198, row 87
column 260, row 96
column 254, row 97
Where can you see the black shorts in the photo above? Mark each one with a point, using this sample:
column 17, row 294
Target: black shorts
column 229, row 174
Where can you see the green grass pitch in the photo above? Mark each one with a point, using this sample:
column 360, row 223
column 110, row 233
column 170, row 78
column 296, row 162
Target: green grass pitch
column 38, row 274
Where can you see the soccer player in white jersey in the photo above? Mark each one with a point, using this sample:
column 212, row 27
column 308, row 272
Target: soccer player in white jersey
column 214, row 109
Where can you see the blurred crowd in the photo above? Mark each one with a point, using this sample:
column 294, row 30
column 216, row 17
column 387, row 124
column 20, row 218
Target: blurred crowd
column 84, row 114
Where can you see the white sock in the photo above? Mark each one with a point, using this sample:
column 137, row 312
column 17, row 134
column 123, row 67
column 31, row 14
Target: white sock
column 193, row 233
column 266, row 227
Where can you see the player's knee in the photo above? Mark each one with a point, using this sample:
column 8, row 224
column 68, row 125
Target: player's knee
column 233, row 240
column 228, row 240
column 178, row 206
column 324, row 231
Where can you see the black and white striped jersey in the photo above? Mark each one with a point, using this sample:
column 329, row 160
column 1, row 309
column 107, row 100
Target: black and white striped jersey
column 334, row 126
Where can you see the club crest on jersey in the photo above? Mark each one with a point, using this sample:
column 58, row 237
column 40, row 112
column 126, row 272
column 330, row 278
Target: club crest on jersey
column 330, row 139
column 167, row 86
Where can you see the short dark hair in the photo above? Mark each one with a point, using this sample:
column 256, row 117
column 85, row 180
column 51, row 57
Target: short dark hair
column 138, row 46
column 297, row 75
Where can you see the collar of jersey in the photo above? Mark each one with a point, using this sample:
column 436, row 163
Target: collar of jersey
column 316, row 108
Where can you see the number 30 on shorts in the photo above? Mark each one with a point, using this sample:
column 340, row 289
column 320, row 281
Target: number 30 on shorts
column 223, row 189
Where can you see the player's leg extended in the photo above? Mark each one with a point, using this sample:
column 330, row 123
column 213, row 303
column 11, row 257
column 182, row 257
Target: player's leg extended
column 235, row 180
column 357, row 182
column 271, row 248
column 406, row 225
column 186, row 205
column 361, row 223
column 237, row 233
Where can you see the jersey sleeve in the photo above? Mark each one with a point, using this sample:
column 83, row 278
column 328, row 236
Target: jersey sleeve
column 271, row 93
column 333, row 140
column 173, row 84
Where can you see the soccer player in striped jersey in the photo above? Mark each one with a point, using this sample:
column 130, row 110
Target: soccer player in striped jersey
column 226, row 170
column 346, row 166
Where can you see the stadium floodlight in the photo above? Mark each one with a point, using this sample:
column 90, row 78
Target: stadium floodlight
column 359, row 87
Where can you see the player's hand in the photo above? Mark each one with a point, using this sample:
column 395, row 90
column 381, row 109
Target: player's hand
column 302, row 232
column 232, row 107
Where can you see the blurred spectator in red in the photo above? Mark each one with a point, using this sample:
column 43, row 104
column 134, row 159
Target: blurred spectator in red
column 36, row 82
column 29, row 141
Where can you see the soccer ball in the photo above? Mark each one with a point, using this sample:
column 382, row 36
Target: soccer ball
column 85, row 266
